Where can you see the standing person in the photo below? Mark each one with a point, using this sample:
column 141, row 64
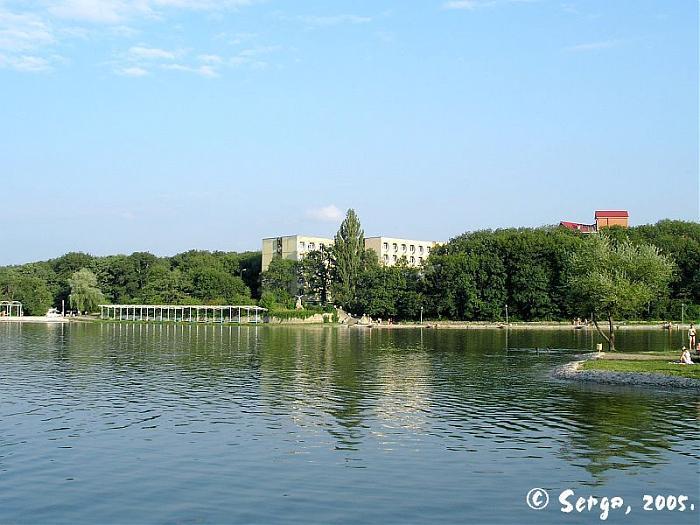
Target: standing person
column 691, row 336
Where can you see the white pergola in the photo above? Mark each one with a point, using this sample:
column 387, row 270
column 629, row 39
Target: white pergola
column 11, row 309
column 182, row 314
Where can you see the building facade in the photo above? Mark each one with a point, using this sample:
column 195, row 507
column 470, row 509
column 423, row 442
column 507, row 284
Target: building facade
column 292, row 247
column 608, row 218
column 390, row 250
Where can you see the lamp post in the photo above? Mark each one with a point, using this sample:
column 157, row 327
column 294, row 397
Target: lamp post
column 507, row 323
column 682, row 313
column 421, row 315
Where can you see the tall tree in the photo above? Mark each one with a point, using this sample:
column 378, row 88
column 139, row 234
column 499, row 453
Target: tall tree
column 84, row 292
column 348, row 259
column 610, row 280
column 316, row 275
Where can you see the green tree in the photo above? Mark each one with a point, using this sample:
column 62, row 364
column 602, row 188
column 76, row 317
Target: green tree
column 33, row 292
column 348, row 259
column 609, row 280
column 213, row 285
column 316, row 275
column 281, row 280
column 85, row 295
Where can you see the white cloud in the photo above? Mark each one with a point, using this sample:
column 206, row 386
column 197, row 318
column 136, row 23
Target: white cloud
column 133, row 71
column 333, row 20
column 22, row 32
column 25, row 63
column 202, row 4
column 210, row 59
column 330, row 213
column 462, row 4
column 98, row 11
column 115, row 11
column 251, row 56
column 23, row 39
column 203, row 71
column 474, row 4
column 593, row 46
column 150, row 53
column 31, row 64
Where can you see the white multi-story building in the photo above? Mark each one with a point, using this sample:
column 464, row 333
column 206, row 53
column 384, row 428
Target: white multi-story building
column 390, row 250
column 292, row 247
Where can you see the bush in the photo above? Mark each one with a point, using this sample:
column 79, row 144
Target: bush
column 292, row 314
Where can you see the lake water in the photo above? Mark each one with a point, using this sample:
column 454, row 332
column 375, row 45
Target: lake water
column 128, row 423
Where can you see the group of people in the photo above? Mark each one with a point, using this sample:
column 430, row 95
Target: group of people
column 685, row 354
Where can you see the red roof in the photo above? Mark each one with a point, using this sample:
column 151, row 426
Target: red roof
column 586, row 228
column 611, row 213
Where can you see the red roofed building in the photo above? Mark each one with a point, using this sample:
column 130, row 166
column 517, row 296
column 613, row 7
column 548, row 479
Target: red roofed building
column 577, row 226
column 607, row 218
column 603, row 219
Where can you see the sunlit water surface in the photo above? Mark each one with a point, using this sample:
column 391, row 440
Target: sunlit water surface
column 128, row 423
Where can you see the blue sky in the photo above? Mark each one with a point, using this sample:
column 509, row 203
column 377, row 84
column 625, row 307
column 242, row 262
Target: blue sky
column 166, row 125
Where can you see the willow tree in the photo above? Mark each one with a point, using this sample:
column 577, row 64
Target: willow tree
column 348, row 259
column 85, row 295
column 608, row 280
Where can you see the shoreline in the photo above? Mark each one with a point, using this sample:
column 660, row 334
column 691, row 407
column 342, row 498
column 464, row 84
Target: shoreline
column 472, row 325
column 35, row 319
column 572, row 372
column 428, row 325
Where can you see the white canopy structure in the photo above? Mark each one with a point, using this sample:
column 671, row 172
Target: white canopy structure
column 182, row 314
column 11, row 309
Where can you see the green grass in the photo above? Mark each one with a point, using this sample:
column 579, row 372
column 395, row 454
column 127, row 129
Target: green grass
column 645, row 366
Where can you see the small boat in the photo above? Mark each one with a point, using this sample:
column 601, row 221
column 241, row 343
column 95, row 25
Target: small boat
column 53, row 315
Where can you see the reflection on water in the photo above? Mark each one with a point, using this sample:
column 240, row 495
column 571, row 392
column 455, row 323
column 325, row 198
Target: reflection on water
column 321, row 424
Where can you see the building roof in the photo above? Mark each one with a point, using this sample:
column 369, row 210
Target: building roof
column 611, row 213
column 586, row 228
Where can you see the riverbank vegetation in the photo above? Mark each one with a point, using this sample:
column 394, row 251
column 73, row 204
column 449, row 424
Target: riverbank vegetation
column 194, row 277
column 541, row 274
column 537, row 274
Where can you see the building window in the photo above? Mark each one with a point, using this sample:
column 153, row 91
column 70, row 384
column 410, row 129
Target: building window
column 420, row 249
column 413, row 260
column 427, row 248
column 395, row 246
column 420, row 260
column 394, row 257
column 312, row 246
column 386, row 258
column 321, row 246
column 403, row 248
column 302, row 245
column 412, row 248
column 386, row 246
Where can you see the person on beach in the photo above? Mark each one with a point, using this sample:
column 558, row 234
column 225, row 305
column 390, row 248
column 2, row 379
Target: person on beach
column 685, row 357
column 691, row 336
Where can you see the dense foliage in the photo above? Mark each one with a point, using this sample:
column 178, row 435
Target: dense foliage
column 194, row 277
column 473, row 277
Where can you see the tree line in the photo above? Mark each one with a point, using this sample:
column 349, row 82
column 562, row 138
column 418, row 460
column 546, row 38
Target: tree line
column 548, row 273
column 82, row 281
column 540, row 274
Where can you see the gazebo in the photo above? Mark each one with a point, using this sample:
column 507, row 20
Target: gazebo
column 11, row 309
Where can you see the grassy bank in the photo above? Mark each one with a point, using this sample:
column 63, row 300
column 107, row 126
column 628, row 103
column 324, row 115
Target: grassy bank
column 652, row 363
